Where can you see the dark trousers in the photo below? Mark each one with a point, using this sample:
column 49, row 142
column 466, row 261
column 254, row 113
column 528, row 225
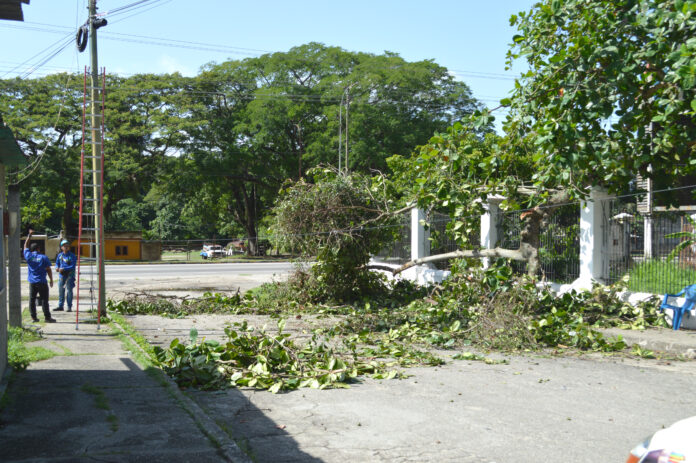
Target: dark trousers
column 40, row 289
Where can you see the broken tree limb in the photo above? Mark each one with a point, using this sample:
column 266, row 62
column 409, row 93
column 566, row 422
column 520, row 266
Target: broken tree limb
column 386, row 268
column 513, row 254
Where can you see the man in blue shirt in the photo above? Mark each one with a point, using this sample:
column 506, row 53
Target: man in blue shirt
column 38, row 265
column 65, row 266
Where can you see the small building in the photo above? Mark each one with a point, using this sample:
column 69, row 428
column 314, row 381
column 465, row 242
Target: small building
column 122, row 246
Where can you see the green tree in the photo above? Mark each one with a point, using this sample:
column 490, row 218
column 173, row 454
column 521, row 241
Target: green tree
column 46, row 116
column 251, row 124
column 610, row 92
column 342, row 220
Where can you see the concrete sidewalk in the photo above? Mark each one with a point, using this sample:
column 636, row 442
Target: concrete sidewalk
column 92, row 402
column 681, row 342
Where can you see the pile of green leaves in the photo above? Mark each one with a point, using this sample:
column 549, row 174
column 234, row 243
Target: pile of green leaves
column 257, row 359
column 487, row 309
column 210, row 303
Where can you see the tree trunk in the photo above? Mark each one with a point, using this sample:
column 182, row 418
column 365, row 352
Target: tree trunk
column 67, row 221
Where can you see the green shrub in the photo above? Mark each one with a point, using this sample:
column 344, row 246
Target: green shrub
column 19, row 354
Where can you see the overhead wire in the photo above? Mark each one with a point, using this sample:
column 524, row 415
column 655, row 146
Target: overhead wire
column 60, row 43
column 48, row 58
column 158, row 4
column 35, row 163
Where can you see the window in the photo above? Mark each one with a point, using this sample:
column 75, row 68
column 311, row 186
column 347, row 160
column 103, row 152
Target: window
column 121, row 250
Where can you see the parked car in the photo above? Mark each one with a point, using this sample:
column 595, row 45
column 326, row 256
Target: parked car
column 211, row 251
column 673, row 444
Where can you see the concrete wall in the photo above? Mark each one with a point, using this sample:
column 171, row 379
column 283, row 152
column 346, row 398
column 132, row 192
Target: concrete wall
column 150, row 251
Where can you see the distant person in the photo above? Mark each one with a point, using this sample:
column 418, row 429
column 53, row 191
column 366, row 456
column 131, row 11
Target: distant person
column 65, row 266
column 38, row 265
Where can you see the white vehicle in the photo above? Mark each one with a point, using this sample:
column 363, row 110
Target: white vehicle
column 673, row 444
column 211, row 251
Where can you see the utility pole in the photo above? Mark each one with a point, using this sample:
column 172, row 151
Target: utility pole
column 97, row 150
column 340, row 134
column 14, row 285
column 347, row 106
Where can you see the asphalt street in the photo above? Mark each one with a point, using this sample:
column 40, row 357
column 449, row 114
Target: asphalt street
column 180, row 279
column 118, row 272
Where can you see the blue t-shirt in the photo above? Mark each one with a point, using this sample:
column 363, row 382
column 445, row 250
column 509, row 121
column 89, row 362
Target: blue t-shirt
column 37, row 265
column 66, row 261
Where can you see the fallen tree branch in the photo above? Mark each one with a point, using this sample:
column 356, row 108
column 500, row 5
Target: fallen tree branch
column 513, row 254
column 379, row 267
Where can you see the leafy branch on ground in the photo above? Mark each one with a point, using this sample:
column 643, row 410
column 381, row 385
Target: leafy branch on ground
column 406, row 326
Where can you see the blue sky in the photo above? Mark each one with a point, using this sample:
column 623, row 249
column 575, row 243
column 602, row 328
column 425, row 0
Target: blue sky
column 468, row 37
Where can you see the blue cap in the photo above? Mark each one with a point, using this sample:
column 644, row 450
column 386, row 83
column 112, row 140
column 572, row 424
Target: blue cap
column 62, row 242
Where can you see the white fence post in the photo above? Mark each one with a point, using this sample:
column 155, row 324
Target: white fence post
column 594, row 255
column 647, row 236
column 489, row 225
column 420, row 237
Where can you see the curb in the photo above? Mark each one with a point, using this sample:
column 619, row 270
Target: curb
column 229, row 449
column 670, row 346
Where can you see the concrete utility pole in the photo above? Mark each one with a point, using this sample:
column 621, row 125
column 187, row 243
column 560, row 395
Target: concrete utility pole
column 97, row 149
column 14, row 284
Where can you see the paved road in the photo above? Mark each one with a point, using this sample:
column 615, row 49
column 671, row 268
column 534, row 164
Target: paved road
column 590, row 408
column 114, row 272
column 184, row 278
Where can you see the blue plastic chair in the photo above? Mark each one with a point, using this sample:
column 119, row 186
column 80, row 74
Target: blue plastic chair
column 690, row 294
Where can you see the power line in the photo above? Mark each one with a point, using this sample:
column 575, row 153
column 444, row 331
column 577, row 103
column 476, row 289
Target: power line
column 204, row 46
column 58, row 43
column 55, row 53
column 155, row 4
column 125, row 7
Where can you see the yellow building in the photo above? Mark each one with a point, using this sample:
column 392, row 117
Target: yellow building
column 123, row 246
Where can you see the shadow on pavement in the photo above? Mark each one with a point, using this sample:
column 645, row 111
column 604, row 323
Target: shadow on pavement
column 105, row 408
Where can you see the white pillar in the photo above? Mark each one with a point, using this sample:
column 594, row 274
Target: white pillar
column 420, row 237
column 594, row 255
column 647, row 236
column 489, row 225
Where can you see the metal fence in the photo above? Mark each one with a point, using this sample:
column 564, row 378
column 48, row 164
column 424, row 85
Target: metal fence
column 645, row 263
column 441, row 240
column 189, row 250
column 559, row 252
column 399, row 250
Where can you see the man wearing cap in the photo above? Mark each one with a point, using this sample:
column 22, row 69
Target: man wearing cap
column 65, row 266
column 38, row 266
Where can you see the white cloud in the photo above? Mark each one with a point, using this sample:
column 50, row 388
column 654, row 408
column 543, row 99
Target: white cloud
column 167, row 64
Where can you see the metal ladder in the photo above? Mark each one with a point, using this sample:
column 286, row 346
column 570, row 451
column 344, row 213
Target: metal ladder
column 90, row 241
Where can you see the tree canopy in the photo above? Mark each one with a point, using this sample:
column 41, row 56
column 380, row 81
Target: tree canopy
column 610, row 92
column 205, row 156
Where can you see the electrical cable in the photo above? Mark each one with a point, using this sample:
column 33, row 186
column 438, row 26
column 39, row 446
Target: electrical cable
column 143, row 11
column 50, row 47
column 81, row 38
column 47, row 59
column 125, row 7
column 34, row 164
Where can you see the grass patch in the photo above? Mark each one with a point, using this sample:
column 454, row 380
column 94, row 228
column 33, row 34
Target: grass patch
column 100, row 400
column 660, row 277
column 102, row 403
column 113, row 422
column 19, row 354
